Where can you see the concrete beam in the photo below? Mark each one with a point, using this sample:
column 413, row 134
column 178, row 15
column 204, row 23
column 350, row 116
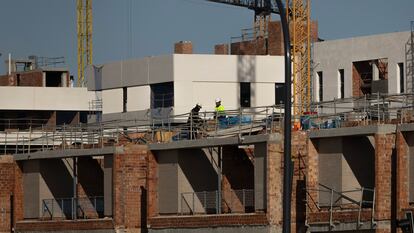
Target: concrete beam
column 353, row 131
column 68, row 153
column 213, row 142
column 406, row 127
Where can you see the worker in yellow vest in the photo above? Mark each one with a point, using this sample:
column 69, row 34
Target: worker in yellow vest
column 220, row 113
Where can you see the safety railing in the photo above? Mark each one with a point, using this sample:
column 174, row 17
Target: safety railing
column 73, row 208
column 210, row 202
column 356, row 200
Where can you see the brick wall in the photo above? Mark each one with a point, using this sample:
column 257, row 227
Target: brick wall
column 152, row 181
column 129, row 187
column 31, row 79
column 183, row 47
column 10, row 184
column 356, row 82
column 402, row 173
column 312, row 182
column 274, row 183
column 207, row 221
column 221, row 49
column 69, row 226
column 298, row 204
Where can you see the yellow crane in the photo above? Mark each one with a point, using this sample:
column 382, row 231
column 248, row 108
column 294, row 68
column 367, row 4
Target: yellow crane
column 298, row 13
column 84, row 32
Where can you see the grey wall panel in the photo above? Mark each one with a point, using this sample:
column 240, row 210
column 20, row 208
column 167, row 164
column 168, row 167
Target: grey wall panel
column 161, row 69
column 112, row 75
column 31, row 176
column 167, row 182
column 135, row 72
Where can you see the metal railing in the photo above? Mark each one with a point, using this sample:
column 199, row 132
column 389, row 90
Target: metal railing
column 210, row 202
column 73, row 208
column 351, row 200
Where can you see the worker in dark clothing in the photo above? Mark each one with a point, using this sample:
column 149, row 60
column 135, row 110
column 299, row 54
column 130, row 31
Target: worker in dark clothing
column 194, row 121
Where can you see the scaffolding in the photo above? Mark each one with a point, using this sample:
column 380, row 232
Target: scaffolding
column 409, row 61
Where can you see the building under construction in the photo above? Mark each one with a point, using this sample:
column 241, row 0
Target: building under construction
column 125, row 154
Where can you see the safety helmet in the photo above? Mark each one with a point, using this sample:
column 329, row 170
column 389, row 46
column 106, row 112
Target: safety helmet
column 218, row 100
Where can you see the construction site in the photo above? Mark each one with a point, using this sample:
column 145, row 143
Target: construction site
column 120, row 147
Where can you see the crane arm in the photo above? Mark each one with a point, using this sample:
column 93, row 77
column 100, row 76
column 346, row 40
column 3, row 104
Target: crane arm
column 259, row 6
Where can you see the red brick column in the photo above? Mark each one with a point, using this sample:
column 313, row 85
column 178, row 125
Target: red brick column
column 152, row 181
column 274, row 183
column 10, row 184
column 383, row 177
column 299, row 156
column 312, row 175
column 402, row 174
column 129, row 184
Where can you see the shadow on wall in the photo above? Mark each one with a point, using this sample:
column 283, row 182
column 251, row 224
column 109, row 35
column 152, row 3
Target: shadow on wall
column 246, row 73
column 198, row 170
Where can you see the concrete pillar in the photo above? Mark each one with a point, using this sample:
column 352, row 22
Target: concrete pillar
column 43, row 79
column 108, row 186
column 260, row 187
column 64, row 79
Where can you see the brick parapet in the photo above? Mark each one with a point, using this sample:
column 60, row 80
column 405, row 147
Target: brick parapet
column 66, row 225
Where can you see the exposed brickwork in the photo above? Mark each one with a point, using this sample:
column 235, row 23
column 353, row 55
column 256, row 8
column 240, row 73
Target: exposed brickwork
column 10, row 191
column 356, row 82
column 221, row 49
column 383, row 152
column 298, row 205
column 183, row 47
column 402, row 175
column 274, row 183
column 6, row 80
column 152, row 181
column 273, row 45
column 129, row 185
column 208, row 221
column 342, row 216
column 312, row 182
column 30, row 79
column 41, row 226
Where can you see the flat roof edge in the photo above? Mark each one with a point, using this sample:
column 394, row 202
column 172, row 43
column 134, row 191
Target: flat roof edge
column 59, row 154
column 353, row 131
column 213, row 142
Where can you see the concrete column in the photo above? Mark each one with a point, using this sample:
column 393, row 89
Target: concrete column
column 64, row 79
column 260, row 187
column 44, row 79
column 108, row 186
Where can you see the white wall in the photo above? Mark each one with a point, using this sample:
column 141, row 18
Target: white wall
column 112, row 101
column 330, row 56
column 197, row 79
column 138, row 98
column 45, row 98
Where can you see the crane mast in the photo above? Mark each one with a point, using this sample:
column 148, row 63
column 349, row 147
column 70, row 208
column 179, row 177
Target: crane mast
column 298, row 13
column 84, row 34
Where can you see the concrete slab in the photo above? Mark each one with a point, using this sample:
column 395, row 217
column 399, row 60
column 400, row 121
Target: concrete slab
column 68, row 153
column 353, row 131
column 213, row 142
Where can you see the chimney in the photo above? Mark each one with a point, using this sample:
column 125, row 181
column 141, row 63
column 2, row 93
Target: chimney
column 183, row 47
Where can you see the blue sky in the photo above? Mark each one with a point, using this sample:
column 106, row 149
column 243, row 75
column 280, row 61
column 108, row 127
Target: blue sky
column 48, row 27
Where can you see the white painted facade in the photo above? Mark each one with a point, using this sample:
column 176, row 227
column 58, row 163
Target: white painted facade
column 196, row 79
column 45, row 98
column 331, row 56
